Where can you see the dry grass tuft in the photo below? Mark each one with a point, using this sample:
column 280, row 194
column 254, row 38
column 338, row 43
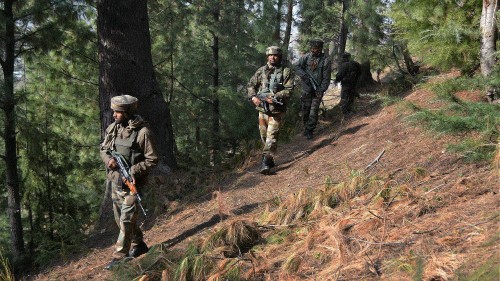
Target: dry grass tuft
column 233, row 239
column 441, row 267
column 294, row 208
column 292, row 264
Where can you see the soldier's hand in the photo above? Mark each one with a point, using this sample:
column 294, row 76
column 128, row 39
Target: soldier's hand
column 112, row 164
column 256, row 101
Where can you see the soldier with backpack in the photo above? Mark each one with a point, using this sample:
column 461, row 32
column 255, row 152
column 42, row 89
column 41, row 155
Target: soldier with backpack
column 348, row 75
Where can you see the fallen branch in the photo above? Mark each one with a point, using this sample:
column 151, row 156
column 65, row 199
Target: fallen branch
column 425, row 231
column 375, row 215
column 376, row 160
column 378, row 243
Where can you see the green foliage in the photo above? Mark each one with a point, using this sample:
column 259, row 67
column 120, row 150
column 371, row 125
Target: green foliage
column 366, row 21
column 442, row 34
column 488, row 271
column 459, row 117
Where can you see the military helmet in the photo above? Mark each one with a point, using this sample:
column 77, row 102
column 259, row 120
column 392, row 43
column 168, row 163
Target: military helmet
column 316, row 43
column 274, row 50
column 124, row 103
column 346, row 55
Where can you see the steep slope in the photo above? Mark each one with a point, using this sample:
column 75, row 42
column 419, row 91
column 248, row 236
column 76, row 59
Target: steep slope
column 420, row 212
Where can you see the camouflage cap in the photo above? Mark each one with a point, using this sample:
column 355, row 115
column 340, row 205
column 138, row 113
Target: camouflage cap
column 273, row 50
column 316, row 43
column 125, row 103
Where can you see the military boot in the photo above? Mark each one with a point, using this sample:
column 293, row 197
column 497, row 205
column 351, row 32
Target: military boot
column 266, row 165
column 138, row 250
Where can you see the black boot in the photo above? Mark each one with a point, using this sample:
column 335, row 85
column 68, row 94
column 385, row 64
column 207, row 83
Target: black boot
column 138, row 250
column 266, row 165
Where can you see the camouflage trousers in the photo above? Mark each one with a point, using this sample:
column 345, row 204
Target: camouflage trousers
column 347, row 96
column 310, row 110
column 269, row 126
column 126, row 212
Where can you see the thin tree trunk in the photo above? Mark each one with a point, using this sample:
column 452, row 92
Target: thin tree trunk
column 343, row 32
column 288, row 29
column 214, row 145
column 277, row 24
column 489, row 33
column 8, row 106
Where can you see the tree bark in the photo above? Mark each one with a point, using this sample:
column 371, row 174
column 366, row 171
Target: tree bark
column 277, row 24
column 342, row 33
column 8, row 105
column 215, row 139
column 365, row 77
column 126, row 68
column 489, row 33
column 288, row 29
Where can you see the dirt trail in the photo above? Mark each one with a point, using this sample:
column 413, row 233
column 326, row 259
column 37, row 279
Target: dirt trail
column 340, row 147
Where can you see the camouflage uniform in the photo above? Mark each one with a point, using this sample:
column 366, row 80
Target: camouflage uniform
column 134, row 140
column 319, row 66
column 348, row 75
column 276, row 82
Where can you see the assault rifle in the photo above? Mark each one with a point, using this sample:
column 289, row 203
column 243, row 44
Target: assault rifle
column 314, row 84
column 263, row 96
column 126, row 177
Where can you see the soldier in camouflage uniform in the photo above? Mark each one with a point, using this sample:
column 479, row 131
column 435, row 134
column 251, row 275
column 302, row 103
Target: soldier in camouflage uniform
column 314, row 69
column 269, row 90
column 348, row 75
column 130, row 136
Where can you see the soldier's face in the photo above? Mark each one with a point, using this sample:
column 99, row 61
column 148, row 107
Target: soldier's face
column 273, row 59
column 316, row 51
column 119, row 116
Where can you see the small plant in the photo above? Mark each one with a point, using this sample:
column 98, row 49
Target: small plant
column 5, row 271
column 292, row 264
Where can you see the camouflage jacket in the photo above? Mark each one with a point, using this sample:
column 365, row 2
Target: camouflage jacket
column 277, row 82
column 320, row 67
column 135, row 142
column 348, row 73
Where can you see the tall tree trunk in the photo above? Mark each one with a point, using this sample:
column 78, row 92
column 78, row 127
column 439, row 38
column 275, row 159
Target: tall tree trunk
column 489, row 35
column 126, row 67
column 8, row 106
column 410, row 65
column 343, row 32
column 288, row 29
column 277, row 24
column 215, row 139
column 365, row 77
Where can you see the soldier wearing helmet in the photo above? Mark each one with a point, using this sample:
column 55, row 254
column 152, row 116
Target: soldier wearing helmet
column 269, row 90
column 130, row 136
column 348, row 75
column 314, row 69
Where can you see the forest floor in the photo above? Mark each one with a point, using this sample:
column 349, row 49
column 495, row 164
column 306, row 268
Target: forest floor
column 438, row 220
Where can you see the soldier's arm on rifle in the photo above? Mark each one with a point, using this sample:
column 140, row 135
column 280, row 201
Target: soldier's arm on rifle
column 253, row 86
column 288, row 84
column 147, row 145
column 300, row 67
column 104, row 149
